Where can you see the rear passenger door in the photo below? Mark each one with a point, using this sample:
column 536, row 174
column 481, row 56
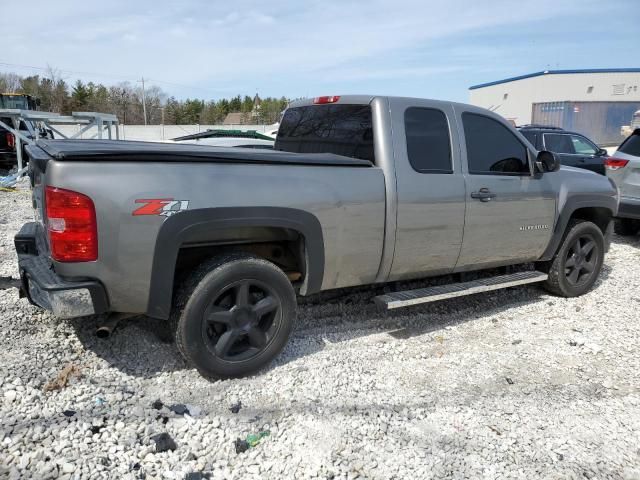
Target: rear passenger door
column 510, row 212
column 561, row 144
column 430, row 188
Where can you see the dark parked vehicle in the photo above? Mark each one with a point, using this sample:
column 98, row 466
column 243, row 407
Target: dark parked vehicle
column 574, row 149
column 7, row 139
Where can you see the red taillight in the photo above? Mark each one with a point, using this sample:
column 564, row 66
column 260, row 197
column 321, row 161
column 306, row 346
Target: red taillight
column 615, row 163
column 323, row 100
column 11, row 140
column 71, row 224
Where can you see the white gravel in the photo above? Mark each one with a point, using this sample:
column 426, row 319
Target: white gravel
column 512, row 384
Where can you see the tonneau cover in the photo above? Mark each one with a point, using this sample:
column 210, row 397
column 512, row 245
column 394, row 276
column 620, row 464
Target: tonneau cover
column 129, row 151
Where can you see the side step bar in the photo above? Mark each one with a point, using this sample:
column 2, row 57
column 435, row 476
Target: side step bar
column 390, row 301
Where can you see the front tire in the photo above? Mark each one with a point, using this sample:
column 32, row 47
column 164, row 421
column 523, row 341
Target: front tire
column 577, row 264
column 233, row 315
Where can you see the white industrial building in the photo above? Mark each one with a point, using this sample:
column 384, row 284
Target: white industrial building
column 596, row 102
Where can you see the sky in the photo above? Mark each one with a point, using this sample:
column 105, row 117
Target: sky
column 212, row 49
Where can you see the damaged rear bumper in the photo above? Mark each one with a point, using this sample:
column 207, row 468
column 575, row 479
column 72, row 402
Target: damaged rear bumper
column 45, row 289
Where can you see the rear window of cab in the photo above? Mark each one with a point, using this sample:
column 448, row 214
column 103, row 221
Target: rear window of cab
column 340, row 129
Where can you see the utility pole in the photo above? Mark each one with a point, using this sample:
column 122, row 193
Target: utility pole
column 144, row 103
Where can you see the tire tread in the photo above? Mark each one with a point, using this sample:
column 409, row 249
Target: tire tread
column 553, row 266
column 189, row 286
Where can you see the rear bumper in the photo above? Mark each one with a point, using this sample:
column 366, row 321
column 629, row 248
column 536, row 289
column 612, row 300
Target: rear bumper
column 45, row 289
column 629, row 208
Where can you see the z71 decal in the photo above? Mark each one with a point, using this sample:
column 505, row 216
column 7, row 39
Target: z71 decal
column 160, row 206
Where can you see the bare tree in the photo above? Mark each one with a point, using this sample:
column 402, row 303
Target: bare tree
column 57, row 91
column 9, row 82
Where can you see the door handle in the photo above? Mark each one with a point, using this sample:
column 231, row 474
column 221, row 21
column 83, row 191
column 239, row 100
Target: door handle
column 484, row 195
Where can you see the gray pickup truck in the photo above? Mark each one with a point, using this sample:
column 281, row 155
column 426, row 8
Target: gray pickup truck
column 359, row 190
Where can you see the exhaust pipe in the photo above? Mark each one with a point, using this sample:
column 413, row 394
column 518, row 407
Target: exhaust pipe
column 110, row 323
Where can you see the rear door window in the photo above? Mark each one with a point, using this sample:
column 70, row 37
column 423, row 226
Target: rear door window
column 492, row 149
column 531, row 136
column 340, row 129
column 631, row 146
column 428, row 142
column 559, row 143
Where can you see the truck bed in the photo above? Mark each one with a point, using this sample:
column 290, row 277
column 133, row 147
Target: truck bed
column 130, row 151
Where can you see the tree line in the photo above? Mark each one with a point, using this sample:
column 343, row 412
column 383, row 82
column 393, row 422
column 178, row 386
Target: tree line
column 125, row 101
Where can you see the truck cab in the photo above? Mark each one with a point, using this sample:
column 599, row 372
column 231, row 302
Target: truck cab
column 462, row 186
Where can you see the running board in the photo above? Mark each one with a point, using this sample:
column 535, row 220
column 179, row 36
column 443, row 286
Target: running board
column 390, row 301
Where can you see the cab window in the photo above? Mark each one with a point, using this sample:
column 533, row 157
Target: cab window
column 428, row 142
column 492, row 149
column 340, row 129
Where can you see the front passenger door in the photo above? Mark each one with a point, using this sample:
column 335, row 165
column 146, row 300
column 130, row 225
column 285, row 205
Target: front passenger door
column 575, row 151
column 588, row 154
column 510, row 212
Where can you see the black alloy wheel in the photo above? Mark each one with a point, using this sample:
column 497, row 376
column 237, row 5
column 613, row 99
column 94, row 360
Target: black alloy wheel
column 581, row 260
column 241, row 321
column 575, row 267
column 233, row 314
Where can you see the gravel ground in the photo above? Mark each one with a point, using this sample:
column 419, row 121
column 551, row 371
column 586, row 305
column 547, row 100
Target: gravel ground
column 511, row 384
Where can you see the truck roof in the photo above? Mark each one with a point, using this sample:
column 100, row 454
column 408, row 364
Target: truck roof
column 133, row 151
column 367, row 99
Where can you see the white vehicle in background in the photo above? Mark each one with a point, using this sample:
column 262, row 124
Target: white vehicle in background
column 624, row 169
column 229, row 138
column 626, row 130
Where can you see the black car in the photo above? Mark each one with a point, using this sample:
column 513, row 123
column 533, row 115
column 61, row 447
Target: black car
column 574, row 149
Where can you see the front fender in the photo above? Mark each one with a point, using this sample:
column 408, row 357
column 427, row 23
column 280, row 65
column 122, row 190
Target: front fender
column 573, row 203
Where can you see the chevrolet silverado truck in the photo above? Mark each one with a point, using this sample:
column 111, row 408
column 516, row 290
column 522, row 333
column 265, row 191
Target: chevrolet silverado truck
column 358, row 190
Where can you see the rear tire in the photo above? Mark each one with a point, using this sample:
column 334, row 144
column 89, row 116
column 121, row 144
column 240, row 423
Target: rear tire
column 233, row 315
column 577, row 263
column 626, row 226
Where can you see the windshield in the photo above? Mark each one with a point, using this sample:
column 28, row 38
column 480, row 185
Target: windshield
column 340, row 129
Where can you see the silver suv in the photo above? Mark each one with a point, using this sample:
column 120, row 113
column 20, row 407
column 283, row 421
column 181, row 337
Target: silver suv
column 624, row 169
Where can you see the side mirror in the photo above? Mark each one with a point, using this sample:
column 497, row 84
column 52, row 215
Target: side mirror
column 602, row 153
column 547, row 161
